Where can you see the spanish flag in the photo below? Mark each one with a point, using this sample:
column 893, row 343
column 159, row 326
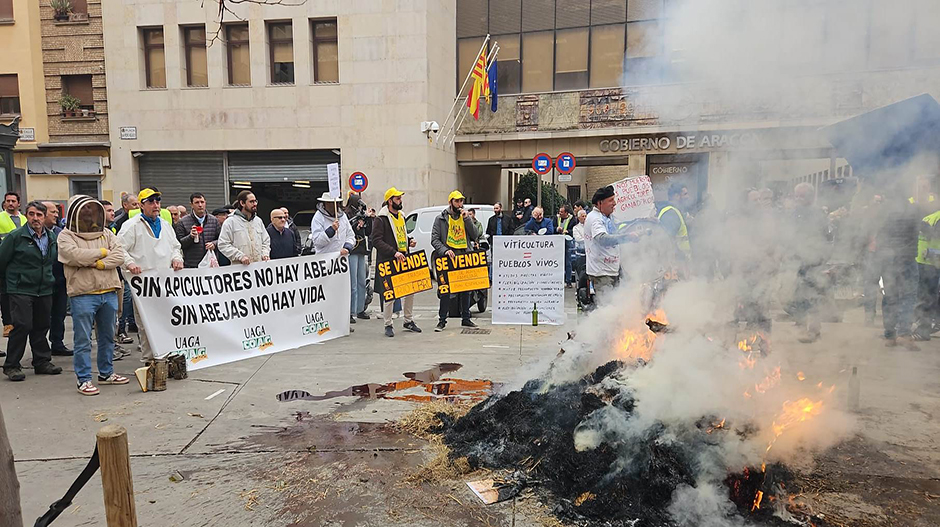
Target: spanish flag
column 480, row 86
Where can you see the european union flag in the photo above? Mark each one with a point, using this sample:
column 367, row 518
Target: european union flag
column 494, row 92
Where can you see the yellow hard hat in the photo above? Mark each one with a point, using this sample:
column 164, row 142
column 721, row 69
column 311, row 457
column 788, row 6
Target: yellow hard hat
column 146, row 193
column 392, row 192
column 455, row 195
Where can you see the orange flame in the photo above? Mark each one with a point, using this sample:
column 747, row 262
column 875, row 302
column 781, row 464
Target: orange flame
column 800, row 376
column 769, row 382
column 716, row 426
column 792, row 414
column 757, row 500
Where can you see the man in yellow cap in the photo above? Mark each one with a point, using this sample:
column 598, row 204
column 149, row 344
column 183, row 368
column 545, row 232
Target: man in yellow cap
column 390, row 239
column 451, row 235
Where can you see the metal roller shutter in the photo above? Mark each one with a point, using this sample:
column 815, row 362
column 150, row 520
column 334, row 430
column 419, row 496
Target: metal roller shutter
column 179, row 174
column 274, row 166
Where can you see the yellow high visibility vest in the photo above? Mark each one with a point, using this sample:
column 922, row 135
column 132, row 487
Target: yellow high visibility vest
column 682, row 237
column 929, row 240
column 6, row 222
column 930, row 199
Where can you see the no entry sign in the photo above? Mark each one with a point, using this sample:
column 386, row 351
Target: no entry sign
column 542, row 164
column 358, row 181
column 565, row 163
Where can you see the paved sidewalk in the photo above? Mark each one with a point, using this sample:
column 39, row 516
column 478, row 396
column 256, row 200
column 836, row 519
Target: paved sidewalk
column 247, row 459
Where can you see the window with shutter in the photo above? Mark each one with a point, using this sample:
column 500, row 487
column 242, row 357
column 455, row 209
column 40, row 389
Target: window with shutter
column 80, row 87
column 9, row 95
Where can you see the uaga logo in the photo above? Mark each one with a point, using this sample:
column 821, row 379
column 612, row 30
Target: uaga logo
column 256, row 338
column 315, row 324
column 190, row 348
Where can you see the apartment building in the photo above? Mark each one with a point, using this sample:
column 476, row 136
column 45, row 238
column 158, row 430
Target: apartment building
column 272, row 95
column 53, row 85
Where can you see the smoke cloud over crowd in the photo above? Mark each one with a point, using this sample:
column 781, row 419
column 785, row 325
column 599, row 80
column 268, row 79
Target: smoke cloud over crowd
column 775, row 59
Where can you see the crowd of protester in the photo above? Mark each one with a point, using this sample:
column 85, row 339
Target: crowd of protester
column 76, row 261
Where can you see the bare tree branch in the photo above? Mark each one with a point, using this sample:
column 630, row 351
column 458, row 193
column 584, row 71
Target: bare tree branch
column 224, row 8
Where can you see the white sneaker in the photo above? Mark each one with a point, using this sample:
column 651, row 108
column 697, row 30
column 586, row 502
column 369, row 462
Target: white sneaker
column 87, row 388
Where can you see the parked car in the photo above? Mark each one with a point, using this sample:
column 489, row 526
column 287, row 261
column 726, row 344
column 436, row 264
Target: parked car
column 303, row 220
column 420, row 222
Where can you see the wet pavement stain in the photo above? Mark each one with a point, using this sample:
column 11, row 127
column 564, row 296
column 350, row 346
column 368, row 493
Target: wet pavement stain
column 423, row 386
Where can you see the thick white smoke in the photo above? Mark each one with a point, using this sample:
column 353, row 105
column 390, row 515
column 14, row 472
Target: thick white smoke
column 750, row 59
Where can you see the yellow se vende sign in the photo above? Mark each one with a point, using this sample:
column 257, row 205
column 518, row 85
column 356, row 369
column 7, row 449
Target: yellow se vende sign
column 404, row 278
column 465, row 272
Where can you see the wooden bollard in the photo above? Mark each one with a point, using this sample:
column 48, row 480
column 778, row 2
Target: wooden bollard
column 116, row 479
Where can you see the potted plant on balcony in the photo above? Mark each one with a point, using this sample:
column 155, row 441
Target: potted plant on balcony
column 61, row 9
column 70, row 105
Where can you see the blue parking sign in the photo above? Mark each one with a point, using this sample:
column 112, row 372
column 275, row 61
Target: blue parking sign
column 565, row 163
column 542, row 164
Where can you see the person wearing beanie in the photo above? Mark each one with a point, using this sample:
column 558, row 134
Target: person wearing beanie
column 601, row 242
column 90, row 255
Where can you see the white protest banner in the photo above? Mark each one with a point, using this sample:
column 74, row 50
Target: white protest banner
column 332, row 174
column 217, row 315
column 529, row 272
column 634, row 199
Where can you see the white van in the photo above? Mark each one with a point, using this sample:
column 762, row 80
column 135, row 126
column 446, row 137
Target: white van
column 420, row 222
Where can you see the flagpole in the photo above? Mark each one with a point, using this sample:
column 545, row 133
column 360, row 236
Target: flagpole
column 464, row 85
column 489, row 62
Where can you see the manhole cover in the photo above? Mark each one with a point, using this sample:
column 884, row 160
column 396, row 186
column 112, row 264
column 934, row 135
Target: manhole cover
column 475, row 331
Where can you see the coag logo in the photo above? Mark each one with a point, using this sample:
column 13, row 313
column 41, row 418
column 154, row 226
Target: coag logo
column 256, row 338
column 315, row 324
column 190, row 348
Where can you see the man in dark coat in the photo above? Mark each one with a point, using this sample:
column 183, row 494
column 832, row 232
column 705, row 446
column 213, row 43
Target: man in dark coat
column 391, row 241
column 500, row 223
column 450, row 235
column 26, row 257
column 193, row 243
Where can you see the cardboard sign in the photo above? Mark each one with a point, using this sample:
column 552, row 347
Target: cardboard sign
column 219, row 315
column 466, row 272
column 401, row 279
column 528, row 271
column 332, row 173
column 634, row 199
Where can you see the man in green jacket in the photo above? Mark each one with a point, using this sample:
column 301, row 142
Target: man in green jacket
column 26, row 257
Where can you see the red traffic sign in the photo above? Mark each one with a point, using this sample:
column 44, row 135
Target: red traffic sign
column 358, row 181
column 565, row 162
column 542, row 164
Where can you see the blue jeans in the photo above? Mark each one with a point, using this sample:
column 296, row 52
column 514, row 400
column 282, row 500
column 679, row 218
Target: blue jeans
column 358, row 272
column 89, row 310
column 127, row 314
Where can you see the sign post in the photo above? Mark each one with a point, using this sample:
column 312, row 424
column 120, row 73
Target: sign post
column 565, row 163
column 332, row 172
column 358, row 182
column 541, row 164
